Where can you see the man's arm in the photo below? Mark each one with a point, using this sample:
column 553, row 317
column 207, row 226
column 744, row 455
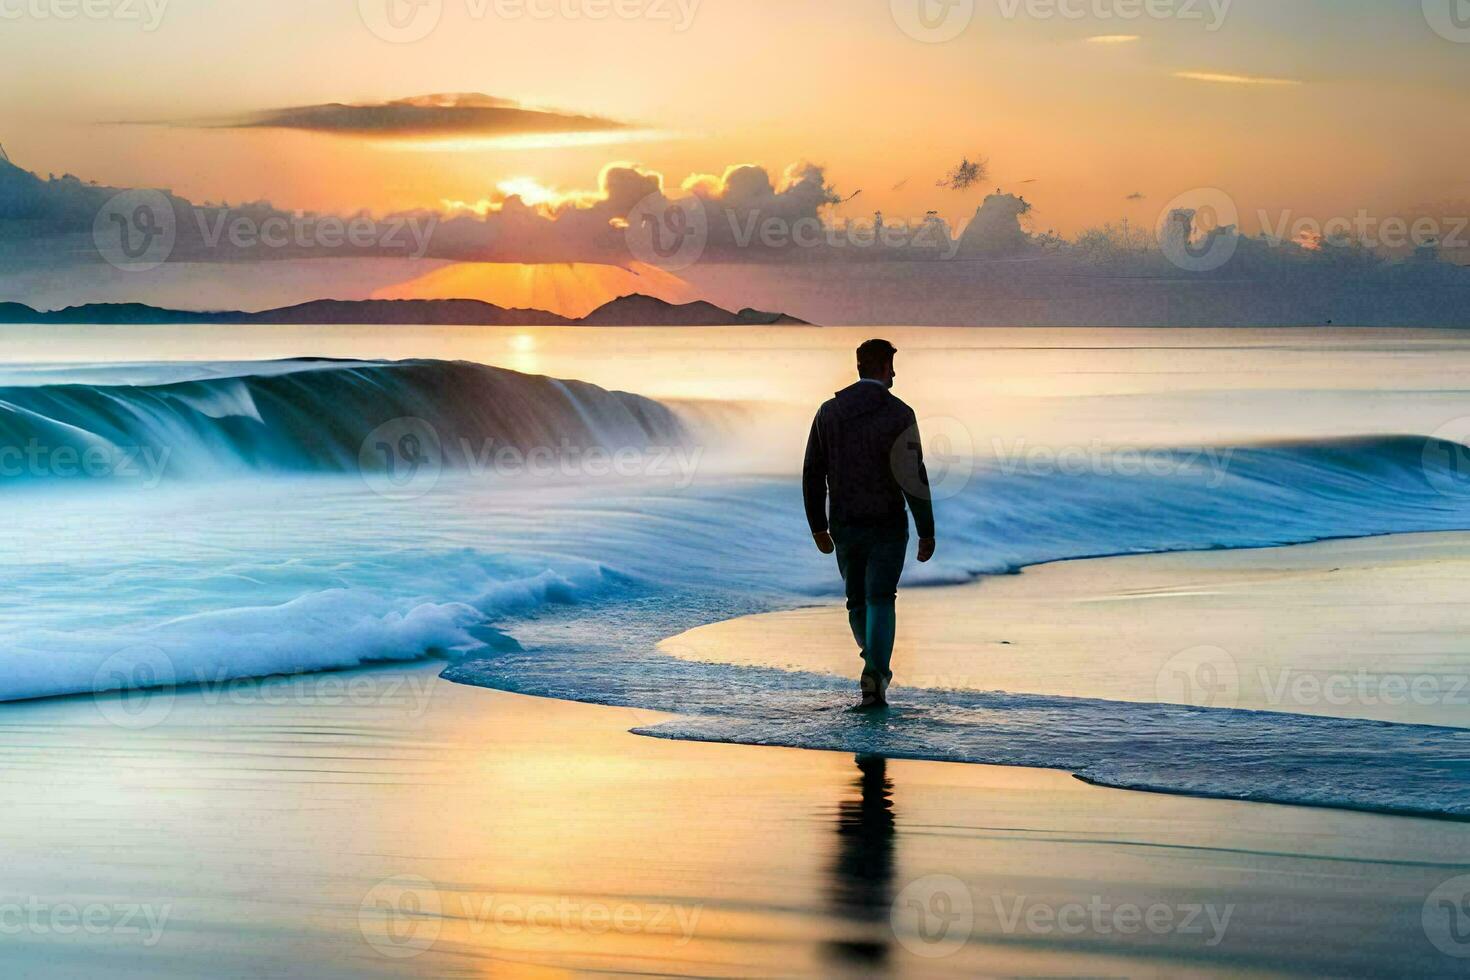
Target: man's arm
column 814, row 487
column 914, row 481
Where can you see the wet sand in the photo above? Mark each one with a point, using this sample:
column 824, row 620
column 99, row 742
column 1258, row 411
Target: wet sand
column 1361, row 628
column 386, row 822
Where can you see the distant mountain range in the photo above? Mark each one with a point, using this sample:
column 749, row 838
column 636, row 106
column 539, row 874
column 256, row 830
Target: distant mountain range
column 628, row 311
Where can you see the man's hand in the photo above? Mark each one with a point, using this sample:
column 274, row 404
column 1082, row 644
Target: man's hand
column 926, row 549
column 824, row 542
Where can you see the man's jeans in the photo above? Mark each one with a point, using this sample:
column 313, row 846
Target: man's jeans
column 871, row 561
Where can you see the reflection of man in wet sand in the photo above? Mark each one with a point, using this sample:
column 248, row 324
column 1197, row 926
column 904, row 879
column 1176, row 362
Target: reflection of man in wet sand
column 863, row 454
column 862, row 873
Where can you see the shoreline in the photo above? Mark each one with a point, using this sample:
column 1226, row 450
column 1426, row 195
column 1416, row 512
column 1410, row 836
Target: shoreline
column 938, row 604
column 1283, row 646
column 385, row 821
column 996, row 611
column 386, row 838
column 676, row 641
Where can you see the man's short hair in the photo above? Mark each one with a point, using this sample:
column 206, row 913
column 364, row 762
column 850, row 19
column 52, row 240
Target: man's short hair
column 873, row 356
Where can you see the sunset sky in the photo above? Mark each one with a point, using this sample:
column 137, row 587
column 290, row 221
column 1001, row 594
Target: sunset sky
column 1317, row 106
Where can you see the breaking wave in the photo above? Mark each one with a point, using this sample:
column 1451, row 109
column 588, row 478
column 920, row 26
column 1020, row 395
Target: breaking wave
column 316, row 417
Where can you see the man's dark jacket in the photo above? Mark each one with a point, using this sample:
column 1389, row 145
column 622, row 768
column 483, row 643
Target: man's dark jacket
column 864, row 452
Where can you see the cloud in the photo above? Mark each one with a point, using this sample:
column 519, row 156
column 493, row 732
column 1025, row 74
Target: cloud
column 1113, row 39
column 521, row 221
column 525, row 222
column 1135, row 196
column 57, row 237
column 1222, row 78
column 457, row 115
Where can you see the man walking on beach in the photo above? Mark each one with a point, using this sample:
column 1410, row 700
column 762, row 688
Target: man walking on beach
column 864, row 454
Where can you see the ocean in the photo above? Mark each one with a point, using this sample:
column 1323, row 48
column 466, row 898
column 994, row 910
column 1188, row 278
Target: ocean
column 540, row 507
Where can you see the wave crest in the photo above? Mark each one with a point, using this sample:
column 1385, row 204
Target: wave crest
column 312, row 420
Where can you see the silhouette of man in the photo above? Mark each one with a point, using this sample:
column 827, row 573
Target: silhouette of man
column 864, row 454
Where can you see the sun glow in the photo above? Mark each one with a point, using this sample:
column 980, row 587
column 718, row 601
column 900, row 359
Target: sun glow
column 570, row 289
column 523, row 356
column 531, row 192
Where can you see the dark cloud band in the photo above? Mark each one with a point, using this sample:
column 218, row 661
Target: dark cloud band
column 422, row 117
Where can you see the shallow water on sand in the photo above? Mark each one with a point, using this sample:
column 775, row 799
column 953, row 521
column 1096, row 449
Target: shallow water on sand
column 386, row 823
column 1369, row 628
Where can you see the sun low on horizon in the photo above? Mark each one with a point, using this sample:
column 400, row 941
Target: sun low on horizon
column 570, row 289
column 522, row 136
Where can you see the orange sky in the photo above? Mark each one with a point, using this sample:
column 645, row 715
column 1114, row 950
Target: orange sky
column 1371, row 121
